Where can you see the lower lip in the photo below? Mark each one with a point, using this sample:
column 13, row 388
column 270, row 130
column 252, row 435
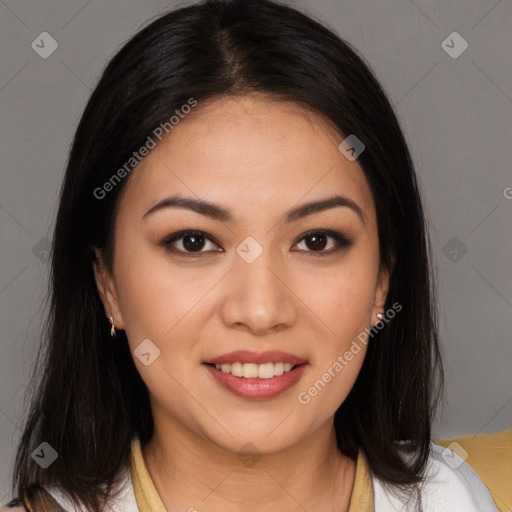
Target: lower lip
column 258, row 389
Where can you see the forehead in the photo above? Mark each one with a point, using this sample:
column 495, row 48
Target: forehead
column 248, row 153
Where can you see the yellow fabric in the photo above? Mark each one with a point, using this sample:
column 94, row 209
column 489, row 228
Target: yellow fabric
column 146, row 495
column 490, row 455
column 148, row 499
column 362, row 494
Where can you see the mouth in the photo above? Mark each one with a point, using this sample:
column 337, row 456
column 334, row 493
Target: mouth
column 255, row 371
column 256, row 376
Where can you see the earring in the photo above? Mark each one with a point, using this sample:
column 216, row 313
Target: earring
column 380, row 316
column 112, row 329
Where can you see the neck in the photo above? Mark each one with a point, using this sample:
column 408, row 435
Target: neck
column 190, row 473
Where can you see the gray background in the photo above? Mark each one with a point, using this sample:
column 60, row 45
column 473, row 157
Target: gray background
column 455, row 113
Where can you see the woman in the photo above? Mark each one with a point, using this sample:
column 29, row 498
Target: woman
column 241, row 205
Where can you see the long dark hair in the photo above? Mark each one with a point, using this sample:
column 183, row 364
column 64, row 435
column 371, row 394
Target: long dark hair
column 87, row 399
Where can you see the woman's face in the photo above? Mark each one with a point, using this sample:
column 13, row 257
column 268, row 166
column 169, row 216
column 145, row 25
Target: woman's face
column 252, row 280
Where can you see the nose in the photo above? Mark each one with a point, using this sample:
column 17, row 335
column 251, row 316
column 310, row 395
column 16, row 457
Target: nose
column 259, row 298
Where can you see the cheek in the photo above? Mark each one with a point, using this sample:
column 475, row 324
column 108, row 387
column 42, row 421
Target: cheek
column 342, row 302
column 156, row 298
column 342, row 299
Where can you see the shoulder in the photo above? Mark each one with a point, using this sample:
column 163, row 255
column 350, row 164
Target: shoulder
column 124, row 501
column 450, row 485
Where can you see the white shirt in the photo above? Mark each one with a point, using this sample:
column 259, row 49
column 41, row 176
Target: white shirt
column 451, row 485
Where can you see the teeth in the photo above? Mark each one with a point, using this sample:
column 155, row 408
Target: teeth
column 252, row 370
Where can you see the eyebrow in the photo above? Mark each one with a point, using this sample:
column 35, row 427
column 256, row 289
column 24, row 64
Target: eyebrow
column 217, row 212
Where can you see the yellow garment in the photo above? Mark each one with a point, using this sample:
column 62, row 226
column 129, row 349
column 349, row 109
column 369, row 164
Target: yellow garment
column 362, row 494
column 148, row 499
column 490, row 455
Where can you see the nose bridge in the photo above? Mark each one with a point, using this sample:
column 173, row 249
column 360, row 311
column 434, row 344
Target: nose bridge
column 258, row 296
column 253, row 265
column 254, row 268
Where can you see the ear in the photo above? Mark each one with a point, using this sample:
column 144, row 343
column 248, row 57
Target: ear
column 106, row 289
column 381, row 291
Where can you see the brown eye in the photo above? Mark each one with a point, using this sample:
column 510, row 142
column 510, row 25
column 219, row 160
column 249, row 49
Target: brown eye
column 317, row 241
column 191, row 242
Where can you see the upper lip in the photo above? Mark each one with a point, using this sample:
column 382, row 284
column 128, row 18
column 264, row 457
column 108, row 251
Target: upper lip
column 246, row 356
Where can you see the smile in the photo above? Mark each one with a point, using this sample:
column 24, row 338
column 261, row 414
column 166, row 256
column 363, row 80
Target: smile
column 256, row 387
column 252, row 370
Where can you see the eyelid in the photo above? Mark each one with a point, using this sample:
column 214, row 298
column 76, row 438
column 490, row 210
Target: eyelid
column 342, row 241
column 167, row 242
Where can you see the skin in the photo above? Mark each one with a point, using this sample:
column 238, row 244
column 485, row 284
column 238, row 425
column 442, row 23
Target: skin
column 259, row 158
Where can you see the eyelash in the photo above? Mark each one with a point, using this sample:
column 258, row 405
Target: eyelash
column 342, row 241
